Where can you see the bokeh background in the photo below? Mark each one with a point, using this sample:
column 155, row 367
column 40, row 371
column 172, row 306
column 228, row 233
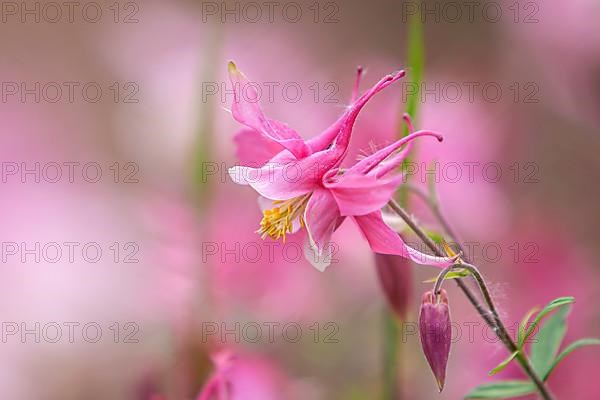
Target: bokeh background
column 513, row 86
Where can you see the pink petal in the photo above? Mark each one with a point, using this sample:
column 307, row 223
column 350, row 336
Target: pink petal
column 340, row 131
column 217, row 383
column 246, row 110
column 277, row 181
column 252, row 148
column 367, row 164
column 321, row 217
column 322, row 261
column 362, row 194
column 272, row 182
column 392, row 163
column 209, row 389
column 215, row 386
column 385, row 241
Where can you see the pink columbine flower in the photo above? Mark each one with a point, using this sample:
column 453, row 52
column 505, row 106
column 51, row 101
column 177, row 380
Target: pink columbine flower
column 218, row 384
column 303, row 185
column 244, row 377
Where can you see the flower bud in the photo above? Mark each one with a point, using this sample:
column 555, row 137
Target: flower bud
column 395, row 276
column 436, row 333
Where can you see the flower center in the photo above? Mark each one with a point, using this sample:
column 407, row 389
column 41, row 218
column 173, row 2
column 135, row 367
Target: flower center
column 279, row 221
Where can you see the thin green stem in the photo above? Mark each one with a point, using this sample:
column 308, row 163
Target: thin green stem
column 392, row 347
column 432, row 203
column 512, row 347
column 440, row 279
column 501, row 331
column 495, row 322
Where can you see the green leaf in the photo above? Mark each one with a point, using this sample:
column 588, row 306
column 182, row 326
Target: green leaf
column 569, row 349
column 561, row 301
column 502, row 390
column 503, row 364
column 548, row 340
column 523, row 327
column 461, row 273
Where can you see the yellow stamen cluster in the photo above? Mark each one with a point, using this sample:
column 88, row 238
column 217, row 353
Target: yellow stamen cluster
column 278, row 221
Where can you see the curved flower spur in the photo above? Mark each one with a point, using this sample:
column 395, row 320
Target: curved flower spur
column 302, row 185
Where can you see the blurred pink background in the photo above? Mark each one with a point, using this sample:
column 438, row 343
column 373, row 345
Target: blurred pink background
column 177, row 238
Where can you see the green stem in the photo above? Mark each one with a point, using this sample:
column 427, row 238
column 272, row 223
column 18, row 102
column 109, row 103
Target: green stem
column 495, row 322
column 391, row 348
column 511, row 345
column 392, row 372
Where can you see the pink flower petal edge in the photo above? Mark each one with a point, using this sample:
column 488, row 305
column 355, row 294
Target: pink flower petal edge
column 307, row 187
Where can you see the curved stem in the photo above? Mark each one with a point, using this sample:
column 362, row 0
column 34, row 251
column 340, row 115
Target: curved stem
column 495, row 322
column 433, row 205
column 482, row 286
column 521, row 357
column 440, row 279
column 431, row 244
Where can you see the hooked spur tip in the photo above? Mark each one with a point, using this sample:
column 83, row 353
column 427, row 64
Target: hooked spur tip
column 439, row 137
column 231, row 67
column 394, row 76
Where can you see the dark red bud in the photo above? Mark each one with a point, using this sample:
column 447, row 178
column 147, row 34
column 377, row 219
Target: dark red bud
column 395, row 276
column 436, row 333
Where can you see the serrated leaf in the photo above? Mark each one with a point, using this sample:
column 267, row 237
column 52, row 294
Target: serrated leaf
column 501, row 390
column 503, row 364
column 569, row 349
column 451, row 275
column 554, row 304
column 523, row 327
column 548, row 340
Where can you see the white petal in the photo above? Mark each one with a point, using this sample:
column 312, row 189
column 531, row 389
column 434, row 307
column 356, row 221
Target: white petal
column 394, row 221
column 320, row 262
